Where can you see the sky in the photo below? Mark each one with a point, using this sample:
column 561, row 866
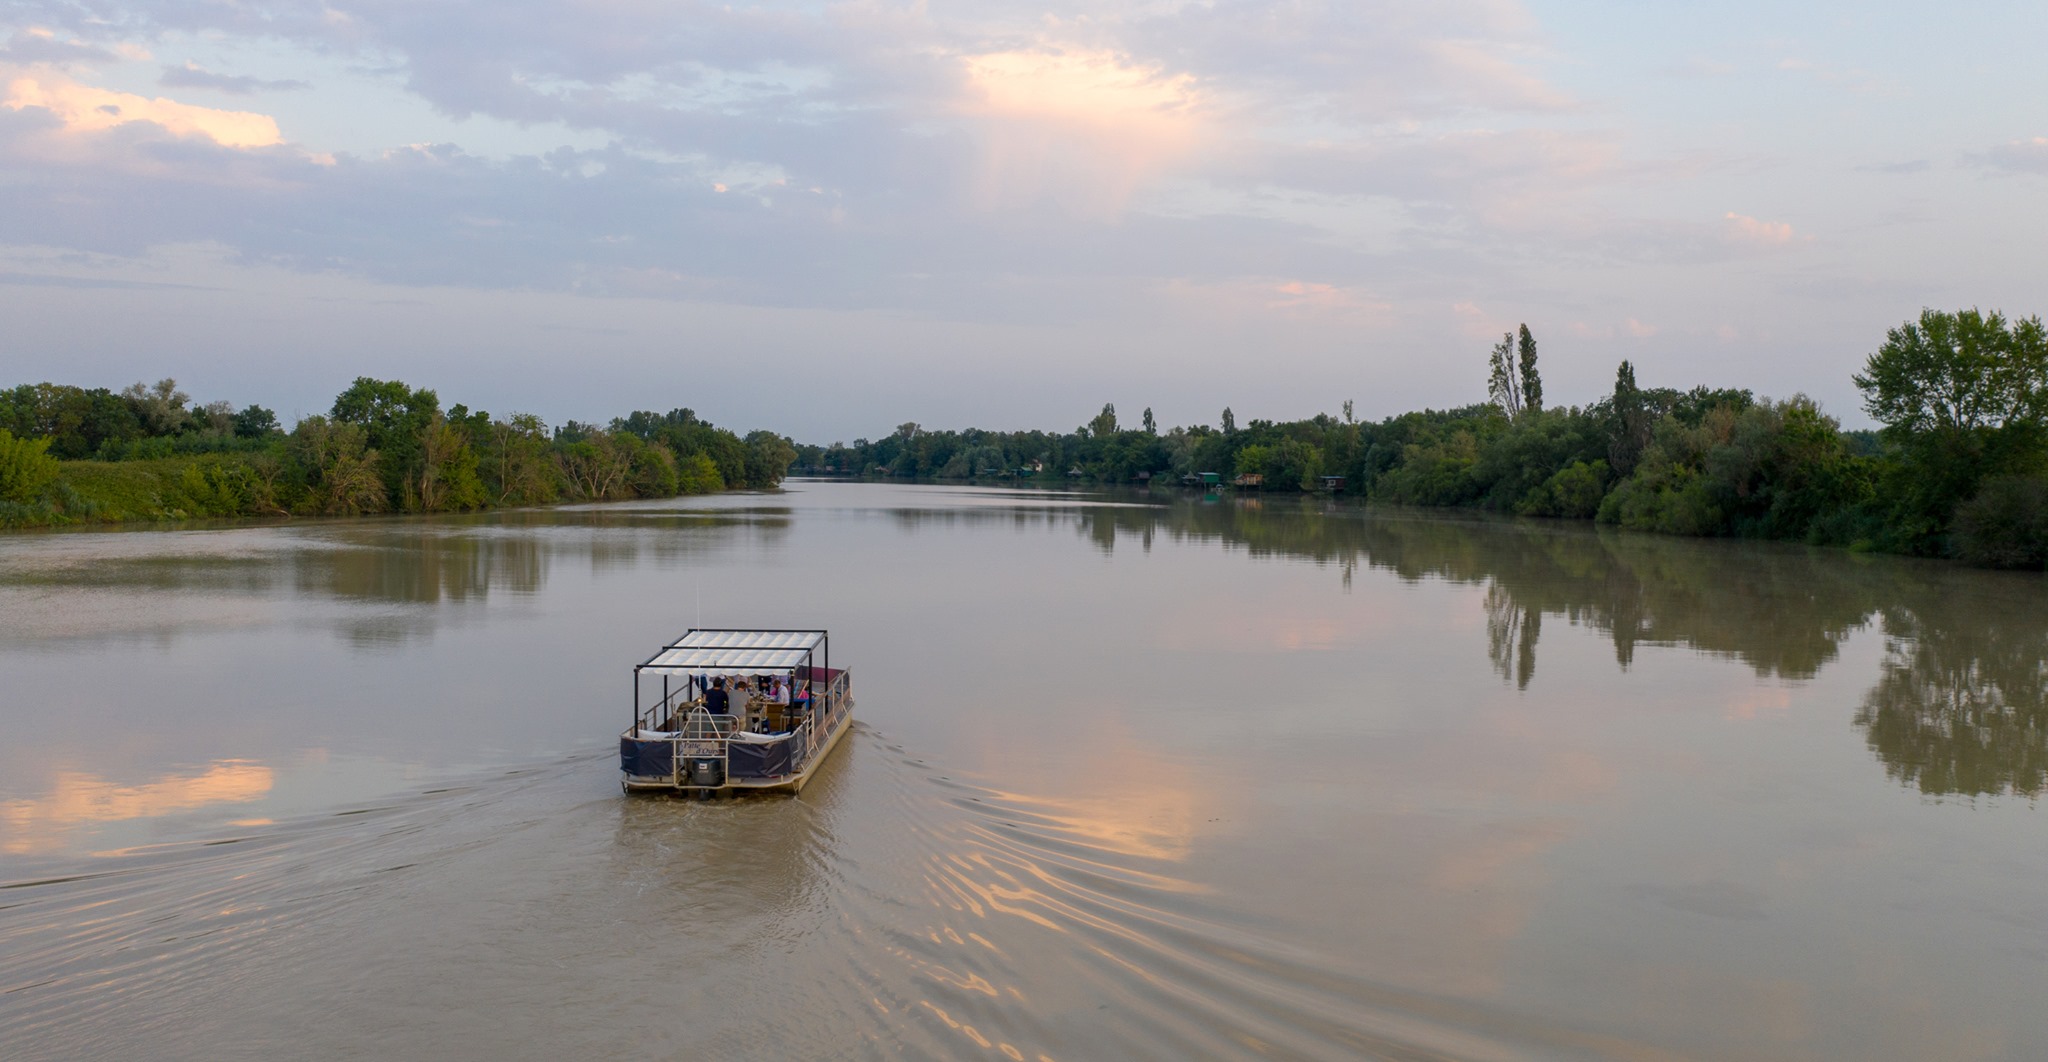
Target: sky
column 826, row 219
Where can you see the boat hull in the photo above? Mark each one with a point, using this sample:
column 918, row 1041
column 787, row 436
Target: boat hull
column 791, row 783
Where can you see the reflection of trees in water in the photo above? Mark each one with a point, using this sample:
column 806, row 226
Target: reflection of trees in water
column 1511, row 632
column 1961, row 704
column 422, row 564
column 456, row 560
column 417, row 562
column 1784, row 612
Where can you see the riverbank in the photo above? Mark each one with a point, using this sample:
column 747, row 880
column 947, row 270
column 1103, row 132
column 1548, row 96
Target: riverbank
column 1958, row 470
column 207, row 487
column 70, row 455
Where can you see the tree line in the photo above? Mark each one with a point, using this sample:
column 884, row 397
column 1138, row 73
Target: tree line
column 71, row 454
column 1959, row 467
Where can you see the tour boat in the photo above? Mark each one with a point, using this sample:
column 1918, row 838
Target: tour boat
column 783, row 710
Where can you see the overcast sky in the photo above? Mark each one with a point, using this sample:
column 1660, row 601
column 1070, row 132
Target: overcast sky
column 829, row 218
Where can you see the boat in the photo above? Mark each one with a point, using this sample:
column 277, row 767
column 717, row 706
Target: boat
column 784, row 710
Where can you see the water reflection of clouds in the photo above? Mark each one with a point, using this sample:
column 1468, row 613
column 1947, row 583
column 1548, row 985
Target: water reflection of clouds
column 79, row 799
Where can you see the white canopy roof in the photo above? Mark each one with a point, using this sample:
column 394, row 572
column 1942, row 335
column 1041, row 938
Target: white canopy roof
column 737, row 651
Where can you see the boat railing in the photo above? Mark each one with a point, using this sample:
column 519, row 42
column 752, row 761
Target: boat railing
column 690, row 732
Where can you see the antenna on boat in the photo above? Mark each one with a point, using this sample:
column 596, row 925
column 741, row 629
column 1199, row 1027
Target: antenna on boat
column 700, row 602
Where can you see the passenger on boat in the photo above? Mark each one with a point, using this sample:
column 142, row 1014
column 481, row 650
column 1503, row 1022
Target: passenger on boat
column 716, row 700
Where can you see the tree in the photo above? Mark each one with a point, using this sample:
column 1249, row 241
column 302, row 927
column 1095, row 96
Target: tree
column 1629, row 428
column 161, row 408
column 255, row 422
column 1532, row 384
column 394, row 420
column 597, row 465
column 520, row 462
column 1963, row 397
column 1957, row 373
column 1104, row 424
column 1503, row 383
column 214, row 418
column 1151, row 426
column 339, row 471
column 25, row 467
column 446, row 475
column 768, row 458
column 1229, row 421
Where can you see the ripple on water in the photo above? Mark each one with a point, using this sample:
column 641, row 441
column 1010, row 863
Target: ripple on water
column 889, row 911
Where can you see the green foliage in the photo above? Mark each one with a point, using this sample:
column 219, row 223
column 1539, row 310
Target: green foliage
column 255, row 422
column 217, row 489
column 1963, row 398
column 2005, row 525
column 1957, row 373
column 77, row 421
column 1628, row 423
column 26, row 468
column 1252, row 459
column 160, row 408
column 697, row 474
column 1574, row 491
column 385, row 446
column 1516, row 459
column 1436, row 472
column 1765, row 469
column 1532, row 382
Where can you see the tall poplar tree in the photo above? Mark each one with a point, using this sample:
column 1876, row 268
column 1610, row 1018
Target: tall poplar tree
column 1503, row 384
column 1532, row 384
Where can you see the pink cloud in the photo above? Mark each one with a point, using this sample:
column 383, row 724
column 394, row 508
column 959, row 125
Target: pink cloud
column 1742, row 228
column 82, row 108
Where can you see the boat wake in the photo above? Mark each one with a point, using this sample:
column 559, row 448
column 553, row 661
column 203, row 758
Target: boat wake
column 1021, row 924
column 891, row 910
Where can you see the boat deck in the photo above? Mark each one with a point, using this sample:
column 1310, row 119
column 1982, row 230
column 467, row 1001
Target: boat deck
column 784, row 715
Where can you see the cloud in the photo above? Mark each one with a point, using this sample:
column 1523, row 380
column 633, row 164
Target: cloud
column 2028, row 155
column 84, row 108
column 191, row 76
column 1746, row 230
column 1085, row 127
column 36, row 45
column 1631, row 328
column 49, row 280
column 1906, row 167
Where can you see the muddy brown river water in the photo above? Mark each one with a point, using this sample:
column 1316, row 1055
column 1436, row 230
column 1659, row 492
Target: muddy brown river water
column 1135, row 776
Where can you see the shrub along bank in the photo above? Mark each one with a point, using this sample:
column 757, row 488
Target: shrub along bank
column 70, row 455
column 1960, row 467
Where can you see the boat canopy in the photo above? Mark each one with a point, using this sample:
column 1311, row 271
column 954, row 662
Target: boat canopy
column 737, row 652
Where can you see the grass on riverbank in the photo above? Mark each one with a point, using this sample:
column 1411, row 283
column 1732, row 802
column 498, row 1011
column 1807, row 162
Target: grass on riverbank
column 171, row 488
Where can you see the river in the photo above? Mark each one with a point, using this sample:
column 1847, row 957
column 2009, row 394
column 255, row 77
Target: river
column 1135, row 775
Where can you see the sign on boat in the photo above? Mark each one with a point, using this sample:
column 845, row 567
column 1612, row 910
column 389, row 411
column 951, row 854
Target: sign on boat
column 737, row 709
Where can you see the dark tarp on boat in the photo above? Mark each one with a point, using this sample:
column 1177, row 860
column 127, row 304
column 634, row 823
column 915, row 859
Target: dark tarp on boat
column 747, row 760
column 647, row 759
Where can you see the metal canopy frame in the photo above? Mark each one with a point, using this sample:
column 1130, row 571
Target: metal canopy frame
column 722, row 650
